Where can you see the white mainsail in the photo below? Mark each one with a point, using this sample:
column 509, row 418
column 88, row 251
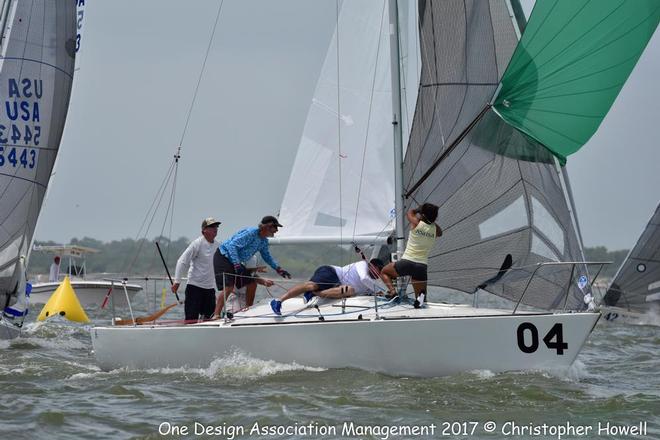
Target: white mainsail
column 36, row 74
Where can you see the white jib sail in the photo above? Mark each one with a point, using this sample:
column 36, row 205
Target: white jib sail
column 342, row 182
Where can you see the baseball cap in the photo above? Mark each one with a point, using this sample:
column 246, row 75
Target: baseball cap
column 270, row 220
column 210, row 222
column 377, row 262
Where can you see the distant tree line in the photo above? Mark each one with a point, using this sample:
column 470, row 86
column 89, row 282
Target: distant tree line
column 140, row 258
column 127, row 256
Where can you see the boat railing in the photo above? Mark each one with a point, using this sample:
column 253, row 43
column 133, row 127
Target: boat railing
column 573, row 265
column 120, row 281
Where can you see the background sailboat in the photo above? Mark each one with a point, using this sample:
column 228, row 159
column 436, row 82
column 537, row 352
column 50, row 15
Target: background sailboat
column 635, row 289
column 36, row 73
column 90, row 291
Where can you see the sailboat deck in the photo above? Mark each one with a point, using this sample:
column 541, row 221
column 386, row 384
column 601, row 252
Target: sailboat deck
column 357, row 308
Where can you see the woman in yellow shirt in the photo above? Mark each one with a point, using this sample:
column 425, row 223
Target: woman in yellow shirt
column 414, row 262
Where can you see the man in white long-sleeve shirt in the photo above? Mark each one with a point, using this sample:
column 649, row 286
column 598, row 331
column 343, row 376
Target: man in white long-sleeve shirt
column 197, row 259
column 55, row 269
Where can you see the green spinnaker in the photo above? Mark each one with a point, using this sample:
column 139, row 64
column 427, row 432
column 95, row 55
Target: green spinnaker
column 570, row 65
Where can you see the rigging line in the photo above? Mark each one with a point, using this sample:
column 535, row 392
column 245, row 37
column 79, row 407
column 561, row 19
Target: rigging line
column 170, row 205
column 455, row 83
column 431, row 191
column 426, row 63
column 366, row 138
column 162, row 187
column 339, row 153
column 144, row 239
column 436, row 108
column 154, row 215
column 405, row 71
column 201, row 73
column 448, row 150
column 169, row 235
column 148, row 214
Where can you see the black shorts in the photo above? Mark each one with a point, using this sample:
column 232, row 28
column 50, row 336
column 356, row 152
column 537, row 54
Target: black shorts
column 325, row 277
column 222, row 266
column 417, row 271
column 198, row 302
column 223, row 270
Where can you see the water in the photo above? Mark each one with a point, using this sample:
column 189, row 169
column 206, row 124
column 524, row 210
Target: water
column 51, row 388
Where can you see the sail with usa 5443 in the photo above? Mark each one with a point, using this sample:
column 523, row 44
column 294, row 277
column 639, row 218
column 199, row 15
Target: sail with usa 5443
column 37, row 57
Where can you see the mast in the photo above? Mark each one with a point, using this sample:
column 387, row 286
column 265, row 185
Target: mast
column 396, row 125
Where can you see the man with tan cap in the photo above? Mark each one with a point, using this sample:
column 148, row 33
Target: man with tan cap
column 197, row 259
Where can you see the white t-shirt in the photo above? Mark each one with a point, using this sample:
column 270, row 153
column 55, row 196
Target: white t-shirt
column 54, row 272
column 356, row 275
column 198, row 260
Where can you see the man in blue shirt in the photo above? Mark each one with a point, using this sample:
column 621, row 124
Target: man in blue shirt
column 227, row 260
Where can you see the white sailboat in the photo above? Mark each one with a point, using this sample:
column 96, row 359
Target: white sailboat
column 482, row 148
column 91, row 292
column 36, row 72
column 633, row 295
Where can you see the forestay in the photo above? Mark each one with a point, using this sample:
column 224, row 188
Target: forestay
column 36, row 73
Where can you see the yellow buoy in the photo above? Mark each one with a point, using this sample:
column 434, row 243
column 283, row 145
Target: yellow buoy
column 64, row 302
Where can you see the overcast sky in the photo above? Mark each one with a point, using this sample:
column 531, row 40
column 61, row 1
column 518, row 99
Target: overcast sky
column 138, row 67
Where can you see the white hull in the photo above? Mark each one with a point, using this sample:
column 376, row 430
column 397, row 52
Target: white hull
column 435, row 341
column 617, row 314
column 90, row 293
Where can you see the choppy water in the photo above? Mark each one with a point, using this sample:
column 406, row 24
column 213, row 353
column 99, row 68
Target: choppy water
column 51, row 388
